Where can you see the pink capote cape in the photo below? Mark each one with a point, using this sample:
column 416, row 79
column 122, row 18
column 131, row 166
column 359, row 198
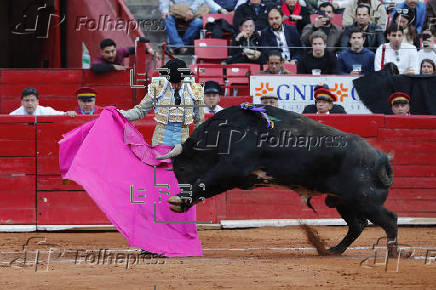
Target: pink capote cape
column 107, row 156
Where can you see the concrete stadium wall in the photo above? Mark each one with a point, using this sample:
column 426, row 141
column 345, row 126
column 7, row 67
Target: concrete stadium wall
column 32, row 191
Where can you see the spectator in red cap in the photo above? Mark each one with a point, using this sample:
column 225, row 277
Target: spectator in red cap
column 86, row 100
column 400, row 103
column 324, row 102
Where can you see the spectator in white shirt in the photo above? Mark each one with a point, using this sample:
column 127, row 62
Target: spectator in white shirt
column 403, row 55
column 30, row 106
column 212, row 93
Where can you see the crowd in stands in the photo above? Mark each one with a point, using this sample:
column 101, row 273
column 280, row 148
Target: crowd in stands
column 399, row 31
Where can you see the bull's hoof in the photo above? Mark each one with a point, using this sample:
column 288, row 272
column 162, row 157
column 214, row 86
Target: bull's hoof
column 176, row 204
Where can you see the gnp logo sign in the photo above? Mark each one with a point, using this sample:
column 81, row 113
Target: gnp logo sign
column 296, row 92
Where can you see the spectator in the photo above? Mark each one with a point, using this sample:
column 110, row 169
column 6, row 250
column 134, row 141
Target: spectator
column 431, row 12
column 111, row 58
column 403, row 55
column 428, row 67
column 338, row 5
column 229, row 5
column 410, row 35
column 286, row 38
column 324, row 102
column 86, row 101
column 323, row 23
column 212, row 94
column 295, row 14
column 270, row 100
column 356, row 60
column 246, row 44
column 30, row 106
column 377, row 12
column 275, row 64
column 253, row 9
column 416, row 11
column 428, row 46
column 373, row 33
column 400, row 103
column 390, row 5
column 191, row 16
column 217, row 7
column 311, row 5
column 318, row 60
column 266, row 2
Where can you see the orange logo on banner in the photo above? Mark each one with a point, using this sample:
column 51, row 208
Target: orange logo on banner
column 340, row 92
column 263, row 91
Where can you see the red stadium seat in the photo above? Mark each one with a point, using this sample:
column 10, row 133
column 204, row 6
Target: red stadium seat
column 211, row 50
column 337, row 19
column 208, row 72
column 290, row 67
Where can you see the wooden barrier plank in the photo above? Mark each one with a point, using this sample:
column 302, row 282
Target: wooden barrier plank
column 407, row 135
column 16, row 131
column 14, row 183
column 414, row 158
column 18, row 216
column 363, row 125
column 17, row 198
column 410, row 122
column 419, row 147
column 415, row 182
column 26, row 77
column 48, row 165
column 414, row 170
column 410, row 205
column 17, row 148
column 54, row 182
column 17, row 165
column 411, row 193
column 68, row 208
column 107, row 79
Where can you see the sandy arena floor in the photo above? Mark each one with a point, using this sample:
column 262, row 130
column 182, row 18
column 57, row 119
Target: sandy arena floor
column 264, row 258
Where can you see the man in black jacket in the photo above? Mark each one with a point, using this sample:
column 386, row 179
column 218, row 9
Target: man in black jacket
column 373, row 33
column 254, row 9
column 284, row 37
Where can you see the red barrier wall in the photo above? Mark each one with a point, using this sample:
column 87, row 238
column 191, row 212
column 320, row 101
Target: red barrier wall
column 32, row 191
column 57, row 86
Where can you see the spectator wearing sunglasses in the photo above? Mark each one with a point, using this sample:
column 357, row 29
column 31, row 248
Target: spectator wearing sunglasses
column 403, row 55
column 416, row 11
column 410, row 34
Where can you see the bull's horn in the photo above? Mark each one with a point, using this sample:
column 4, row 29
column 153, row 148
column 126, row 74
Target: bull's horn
column 177, row 150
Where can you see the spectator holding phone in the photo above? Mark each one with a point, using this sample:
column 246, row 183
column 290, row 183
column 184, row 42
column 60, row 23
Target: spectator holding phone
column 428, row 50
column 323, row 23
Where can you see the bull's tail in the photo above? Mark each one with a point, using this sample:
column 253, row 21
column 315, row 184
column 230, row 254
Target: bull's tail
column 384, row 171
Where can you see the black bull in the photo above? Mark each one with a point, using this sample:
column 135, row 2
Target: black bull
column 235, row 148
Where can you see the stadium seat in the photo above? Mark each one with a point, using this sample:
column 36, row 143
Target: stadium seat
column 337, row 19
column 290, row 67
column 206, row 52
column 208, row 72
